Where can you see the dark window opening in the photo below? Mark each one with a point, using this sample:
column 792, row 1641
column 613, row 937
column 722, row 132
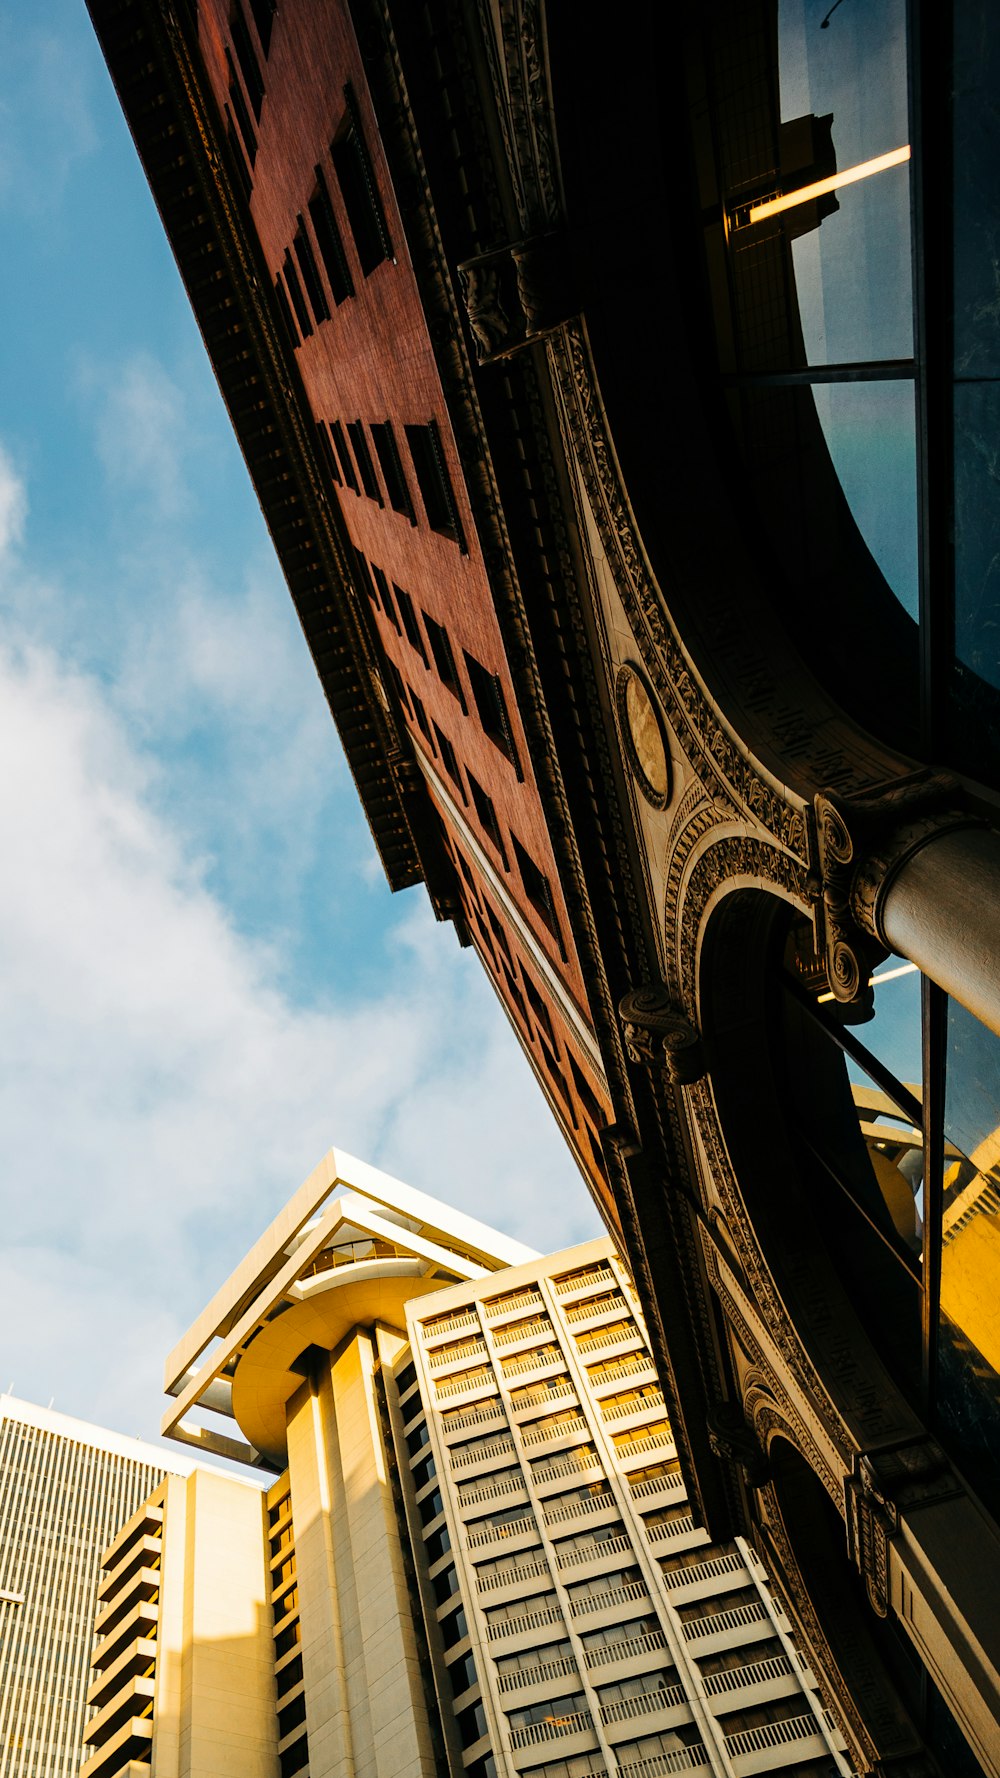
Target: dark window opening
column 289, row 1676
column 434, row 482
column 514, row 994
column 400, row 687
column 290, row 1717
column 239, row 156
column 285, row 311
column 445, row 1584
column 421, row 715
column 392, row 470
column 431, row 1505
column 328, row 239
column 487, row 814
column 471, row 1723
column 411, row 628
column 356, row 177
column 488, row 693
column 263, row 17
column 363, row 458
column 461, row 1674
column 444, row 659
column 326, row 451
column 310, row 273
column 295, row 1757
column 454, row 1627
column 499, row 933
column 246, row 55
column 538, row 889
column 386, row 598
column 405, row 1378
column 587, row 1098
column 538, row 1006
column 344, row 456
column 450, row 761
column 240, row 112
column 294, row 289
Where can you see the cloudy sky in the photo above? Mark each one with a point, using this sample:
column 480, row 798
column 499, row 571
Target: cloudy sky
column 205, row 981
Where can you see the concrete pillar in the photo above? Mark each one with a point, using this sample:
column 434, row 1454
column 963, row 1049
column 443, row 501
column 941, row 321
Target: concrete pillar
column 941, row 909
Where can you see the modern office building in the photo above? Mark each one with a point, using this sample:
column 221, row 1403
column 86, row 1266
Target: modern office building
column 477, row 1556
column 622, row 401
column 65, row 1488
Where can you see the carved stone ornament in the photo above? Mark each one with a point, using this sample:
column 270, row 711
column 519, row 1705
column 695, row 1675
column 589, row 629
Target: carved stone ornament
column 884, row 1485
column 659, row 1035
column 863, row 843
column 642, row 736
column 515, row 295
column 733, row 1441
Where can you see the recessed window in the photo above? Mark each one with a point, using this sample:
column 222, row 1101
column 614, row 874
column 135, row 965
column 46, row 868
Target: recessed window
column 421, row 715
column 343, row 456
column 411, row 628
column 384, row 440
column 241, row 111
column 587, row 1097
column 537, row 888
column 326, row 452
column 246, row 55
column 285, row 311
column 434, row 482
column 356, row 177
column 444, row 659
column 454, row 1627
column 449, row 760
column 462, row 1673
column 385, row 597
column 363, row 458
column 294, row 289
column 538, row 1006
column 399, row 684
column 263, row 17
column 488, row 693
column 487, row 814
column 310, row 273
column 328, row 240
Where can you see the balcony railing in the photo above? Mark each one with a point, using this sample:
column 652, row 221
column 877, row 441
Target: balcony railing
column 496, row 1533
column 593, row 1551
column 571, row 1463
column 451, row 1355
column 540, row 1675
column 533, row 1434
column 497, row 1447
column 772, row 1734
column 619, row 1410
column 628, row 1649
column 552, row 1729
column 622, row 1367
column 458, row 1385
column 523, row 1330
column 673, row 1578
column 672, row 1483
column 510, row 1577
column 734, row 1679
column 633, row 1589
column 531, row 1361
column 525, row 1299
column 716, row 1621
column 590, row 1503
column 685, row 1759
column 538, row 1395
column 479, row 1416
column 634, row 1447
column 603, row 1339
column 445, row 1329
column 488, row 1490
column 504, row 1628
column 663, row 1697
column 584, row 1311
column 601, row 1275
column 670, row 1528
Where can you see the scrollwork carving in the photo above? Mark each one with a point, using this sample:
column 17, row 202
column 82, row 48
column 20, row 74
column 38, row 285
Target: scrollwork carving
column 661, row 1036
column 731, row 1439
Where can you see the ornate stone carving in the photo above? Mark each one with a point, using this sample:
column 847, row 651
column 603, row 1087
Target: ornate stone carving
column 886, row 1483
column 733, row 1441
column 862, row 843
column 661, row 1036
column 515, row 295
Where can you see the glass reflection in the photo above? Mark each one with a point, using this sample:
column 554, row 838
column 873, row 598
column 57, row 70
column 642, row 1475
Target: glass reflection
column 870, row 432
column 969, row 1335
column 852, row 273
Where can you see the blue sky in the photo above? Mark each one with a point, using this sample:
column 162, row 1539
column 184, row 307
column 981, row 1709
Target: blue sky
column 205, row 979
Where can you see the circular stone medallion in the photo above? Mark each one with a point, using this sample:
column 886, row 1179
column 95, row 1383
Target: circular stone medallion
column 642, row 735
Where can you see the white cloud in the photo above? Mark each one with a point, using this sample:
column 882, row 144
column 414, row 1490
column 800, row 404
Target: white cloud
column 142, row 431
column 13, row 505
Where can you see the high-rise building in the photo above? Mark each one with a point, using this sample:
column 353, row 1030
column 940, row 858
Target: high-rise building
column 478, row 1556
column 65, row 1488
column 622, row 402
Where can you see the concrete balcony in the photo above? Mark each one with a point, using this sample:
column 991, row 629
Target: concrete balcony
column 441, row 1359
column 517, row 1333
column 658, row 1487
column 130, row 1700
column 449, row 1388
column 144, row 1583
column 728, row 1629
column 630, row 1450
column 519, row 1574
column 595, row 1555
column 700, row 1579
column 637, row 1653
column 548, row 1432
column 667, row 1703
column 490, row 1414
column 598, row 1278
column 531, row 1403
column 577, row 1728
column 493, row 1451
column 140, row 1622
column 663, row 1765
column 608, row 1340
column 601, row 1309
column 676, row 1531
column 495, row 1534
column 610, row 1601
column 136, row 1656
column 131, row 1743
column 513, row 1629
column 514, row 1304
column 632, row 1408
column 147, row 1522
column 546, row 1358
column 589, row 1506
column 756, row 1682
column 503, row 1488
column 634, row 1364
column 523, row 1679
column 776, row 1744
column 446, row 1330
column 142, row 1552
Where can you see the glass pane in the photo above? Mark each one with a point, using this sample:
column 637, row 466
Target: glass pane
column 870, row 433
column 852, row 265
column 977, row 532
column 977, row 201
column 969, row 1340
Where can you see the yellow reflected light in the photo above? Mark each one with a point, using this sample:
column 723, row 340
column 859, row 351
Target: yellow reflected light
column 875, row 981
column 849, row 176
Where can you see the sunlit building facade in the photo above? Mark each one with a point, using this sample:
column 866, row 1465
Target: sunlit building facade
column 622, row 404
column 478, row 1555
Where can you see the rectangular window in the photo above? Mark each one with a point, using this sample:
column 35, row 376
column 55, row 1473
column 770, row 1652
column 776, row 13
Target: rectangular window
column 498, row 933
column 246, row 55
column 343, row 456
column 326, row 452
column 538, row 1006
column 363, row 458
column 356, row 177
column 488, row 694
column 392, row 470
column 537, row 888
column 294, row 289
column 588, row 1099
column 444, row 659
column 449, row 761
column 285, row 311
column 421, row 715
column 411, row 627
column 385, row 598
column 328, row 239
column 310, row 273
column 399, row 683
column 365, row 575
column 434, row 482
column 263, row 17
column 487, row 814
column 240, row 112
